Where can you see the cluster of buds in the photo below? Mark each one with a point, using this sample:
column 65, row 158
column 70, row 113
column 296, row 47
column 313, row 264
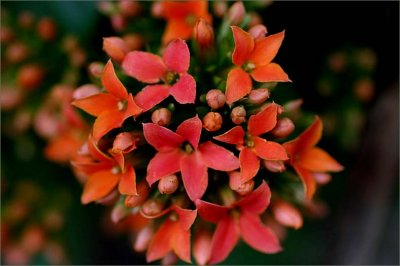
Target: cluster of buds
column 189, row 139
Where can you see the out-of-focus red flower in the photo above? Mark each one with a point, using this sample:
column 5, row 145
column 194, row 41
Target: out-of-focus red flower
column 241, row 218
column 286, row 214
column 306, row 159
column 111, row 108
column 181, row 151
column 252, row 147
column 171, row 69
column 253, row 60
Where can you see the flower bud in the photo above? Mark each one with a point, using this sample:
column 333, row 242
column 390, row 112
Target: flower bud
column 258, row 96
column 322, row 178
column 15, row 255
column 152, row 207
column 161, row 117
column 287, row 215
column 274, row 166
column 10, row 98
column 118, row 22
column 16, row 52
column 219, row 8
column 118, row 213
column 129, row 8
column 169, row 259
column 284, row 127
column 25, row 20
column 115, row 48
column 245, row 188
column 203, row 33
column 143, row 239
column 236, row 13
column 202, row 246
column 133, row 41
column 6, row 34
column 46, row 29
column 258, row 31
column 212, row 121
column 168, row 184
column 85, row 91
column 215, row 98
column 96, row 69
column 30, row 77
column 157, row 9
column 255, row 19
column 132, row 201
column 238, row 115
column 293, row 106
column 33, row 239
column 364, row 90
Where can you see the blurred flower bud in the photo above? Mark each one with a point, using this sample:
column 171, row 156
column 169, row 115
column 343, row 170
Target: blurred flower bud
column 202, row 246
column 96, row 69
column 129, row 8
column 25, row 20
column 258, row 96
column 54, row 253
column 364, row 90
column 279, row 230
column 15, row 255
column 33, row 239
column 215, row 99
column 236, row 13
column 78, row 57
column 124, row 142
column 143, row 189
column 152, row 207
column 118, row 213
column 255, row 19
column 46, row 29
column 85, row 91
column 293, row 106
column 70, row 43
column 322, row 178
column 284, row 127
column 316, row 209
column 287, row 215
column 168, row 184
column 219, row 8
column 238, row 115
column 366, row 58
column 203, row 33
column 133, row 41
column 22, row 121
column 143, row 239
column 118, row 22
column 235, row 183
column 169, row 259
column 274, row 166
column 212, row 121
column 337, row 61
column 53, row 220
column 258, row 31
column 115, row 47
column 6, row 34
column 30, row 77
column 157, row 9
column 161, row 117
column 10, row 98
column 245, row 188
column 16, row 52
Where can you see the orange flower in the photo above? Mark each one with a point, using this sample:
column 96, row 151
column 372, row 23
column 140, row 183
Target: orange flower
column 111, row 108
column 308, row 160
column 181, row 18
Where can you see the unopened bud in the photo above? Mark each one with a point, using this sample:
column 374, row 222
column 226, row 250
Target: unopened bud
column 202, row 246
column 258, row 31
column 118, row 22
column 132, row 201
column 85, row 91
column 133, row 41
column 364, row 90
column 168, row 184
column 78, row 57
column 203, row 33
column 293, row 106
column 129, row 8
column 118, row 213
column 215, row 99
column 284, row 127
column 6, row 34
column 258, row 96
column 115, row 47
column 245, row 188
column 10, row 98
column 255, row 19
column 25, row 20
column 46, row 29
column 33, row 239
column 16, row 52
column 238, row 115
column 322, row 178
column 161, row 117
column 287, row 215
column 169, row 259
column 212, row 121
column 96, row 69
column 274, row 166
column 219, row 8
column 143, row 239
column 30, row 77
column 236, row 13
column 152, row 207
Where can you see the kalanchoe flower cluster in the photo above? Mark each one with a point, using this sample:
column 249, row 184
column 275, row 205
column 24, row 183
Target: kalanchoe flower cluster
column 189, row 138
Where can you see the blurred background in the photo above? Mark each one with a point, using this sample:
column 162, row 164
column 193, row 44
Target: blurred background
column 343, row 59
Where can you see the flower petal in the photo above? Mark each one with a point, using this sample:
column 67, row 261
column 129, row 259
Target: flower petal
column 177, row 56
column 211, row 212
column 263, row 121
column 151, row 95
column 143, row 66
column 106, row 122
column 249, row 164
column 257, row 201
column 318, row 160
column 97, row 104
column 176, row 28
column 269, row 150
column 194, row 175
column 184, row 90
column 308, row 181
column 244, row 45
column 132, row 108
column 270, row 73
column 218, row 158
column 233, row 136
column 160, row 244
column 163, row 164
column 99, row 185
column 265, row 49
column 309, row 138
column 257, row 235
column 111, row 82
column 190, row 130
column 186, row 217
column 96, row 152
column 238, row 85
column 224, row 239
column 181, row 243
column 127, row 182
column 161, row 138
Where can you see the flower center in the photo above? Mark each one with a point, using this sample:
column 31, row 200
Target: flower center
column 171, row 78
column 248, row 67
column 122, row 105
column 187, row 147
column 248, row 140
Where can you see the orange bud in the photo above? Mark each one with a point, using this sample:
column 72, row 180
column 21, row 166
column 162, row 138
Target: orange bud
column 168, row 184
column 258, row 31
column 16, row 52
column 96, row 69
column 25, row 19
column 203, row 33
column 364, row 90
column 245, row 188
column 202, row 246
column 157, row 9
column 78, row 57
column 116, row 48
column 133, row 41
column 132, row 201
column 258, row 96
column 219, row 8
column 85, row 91
column 238, row 115
column 215, row 98
column 161, row 117
column 287, row 215
column 236, row 13
column 274, row 166
column 169, row 259
column 129, row 8
column 46, row 29
column 284, row 127
column 10, row 98
column 30, row 77
column 152, row 207
column 143, row 239
column 212, row 121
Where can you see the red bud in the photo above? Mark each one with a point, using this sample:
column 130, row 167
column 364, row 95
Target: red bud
column 258, row 96
column 46, row 29
column 212, row 121
column 287, row 215
column 238, row 115
column 215, row 98
column 203, row 33
column 30, row 77
column 219, row 8
column 161, row 117
column 202, row 246
column 258, row 31
column 143, row 239
column 16, row 52
column 85, row 91
column 96, row 69
column 143, row 190
column 168, row 184
column 133, row 41
column 274, row 166
column 115, row 47
column 236, row 13
column 129, row 8
column 152, row 207
column 284, row 127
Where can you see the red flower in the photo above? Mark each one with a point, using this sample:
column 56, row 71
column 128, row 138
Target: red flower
column 308, row 160
column 253, row 58
column 171, row 69
column 239, row 219
column 173, row 235
column 181, row 151
column 111, row 108
column 251, row 146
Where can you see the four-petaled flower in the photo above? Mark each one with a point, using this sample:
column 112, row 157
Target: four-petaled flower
column 171, row 69
column 307, row 160
column 251, row 146
column 241, row 218
column 253, row 58
column 181, row 151
column 111, row 108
